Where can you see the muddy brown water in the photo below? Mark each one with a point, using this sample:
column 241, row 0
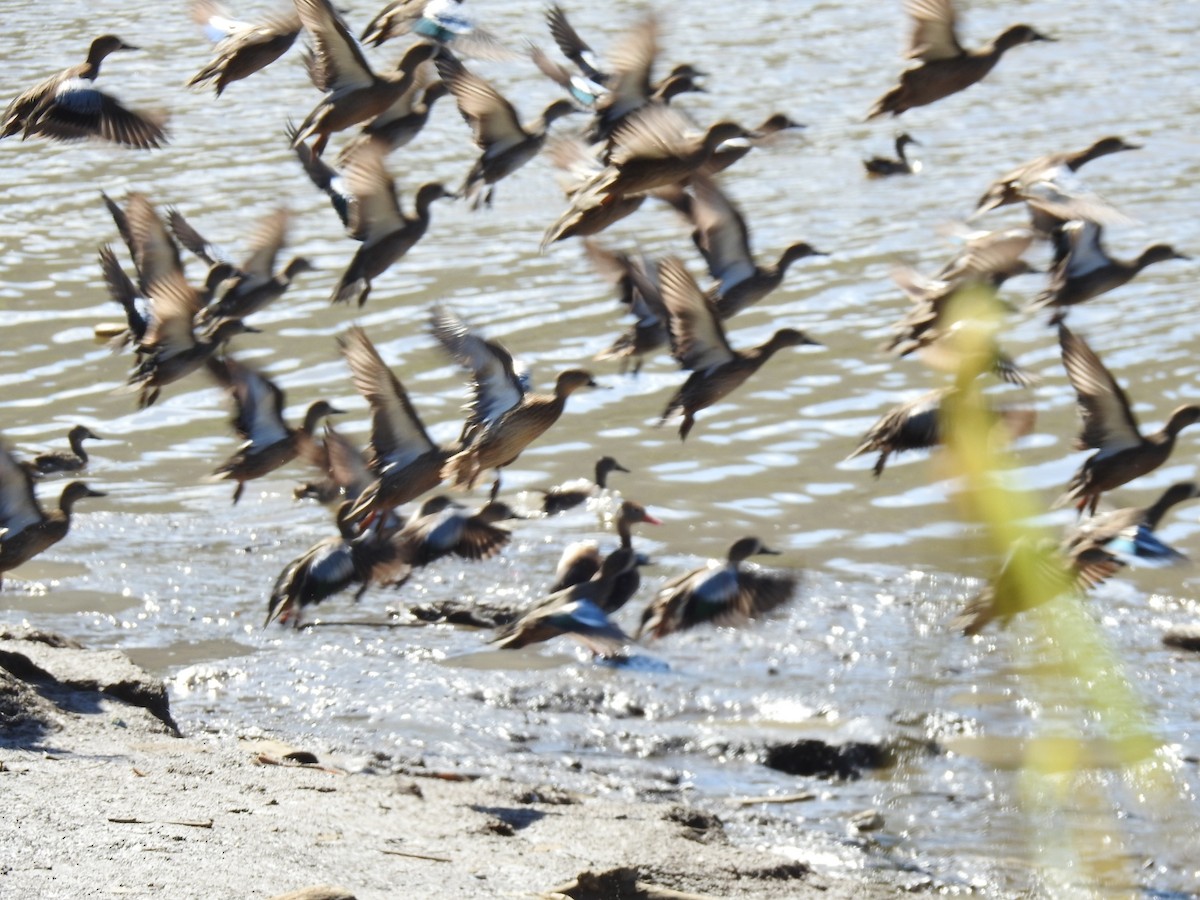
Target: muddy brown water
column 167, row 570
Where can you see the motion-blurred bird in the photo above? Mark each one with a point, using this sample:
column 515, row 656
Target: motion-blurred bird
column 1122, row 452
column 68, row 107
column 722, row 592
column 945, row 67
column 25, row 528
column 269, row 441
column 698, row 344
column 242, row 48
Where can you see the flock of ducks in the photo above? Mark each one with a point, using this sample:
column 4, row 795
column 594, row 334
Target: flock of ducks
column 635, row 146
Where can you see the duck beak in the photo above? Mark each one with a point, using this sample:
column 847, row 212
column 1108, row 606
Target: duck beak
column 650, row 520
column 95, row 493
column 769, row 552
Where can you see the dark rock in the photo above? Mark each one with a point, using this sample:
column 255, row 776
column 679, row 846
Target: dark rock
column 547, row 796
column 507, row 821
column 699, row 825
column 817, row 758
column 49, row 638
column 1185, row 637
column 614, row 884
column 474, row 614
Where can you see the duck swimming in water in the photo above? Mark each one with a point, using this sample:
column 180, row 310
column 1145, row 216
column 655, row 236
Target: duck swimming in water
column 25, row 528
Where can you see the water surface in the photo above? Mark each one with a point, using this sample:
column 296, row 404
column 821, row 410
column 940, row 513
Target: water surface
column 166, row 569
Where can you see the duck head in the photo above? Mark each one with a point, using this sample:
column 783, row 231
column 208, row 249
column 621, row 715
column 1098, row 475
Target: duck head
column 106, row 44
column 322, row 409
column 1158, row 253
column 1019, row 34
column 572, row 380
column 1181, row 418
column 74, row 492
column 747, row 547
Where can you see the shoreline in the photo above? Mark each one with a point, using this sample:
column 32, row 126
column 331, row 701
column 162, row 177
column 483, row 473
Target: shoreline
column 108, row 800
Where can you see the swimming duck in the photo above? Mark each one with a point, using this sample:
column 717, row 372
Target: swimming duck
column 443, row 21
column 269, row 441
column 637, row 282
column 573, row 611
column 698, row 343
column 916, row 425
column 171, row 348
column 506, row 144
column 879, row 166
column 353, row 92
column 1013, row 186
column 657, row 146
column 401, row 122
column 443, row 527
column 1087, row 271
column 721, row 591
column 25, row 528
column 721, row 235
column 59, row 461
column 582, row 560
column 1032, row 574
column 377, row 220
column 570, row 494
column 67, row 107
column 242, row 48
column 330, row 566
column 1110, row 427
column 505, row 417
column 255, row 283
column 945, row 67
column 404, row 461
column 1106, row 541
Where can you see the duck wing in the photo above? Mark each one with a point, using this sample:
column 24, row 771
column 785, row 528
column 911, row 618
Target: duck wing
column 497, row 386
column 632, row 60
column 79, row 110
column 265, row 242
column 654, row 132
column 720, row 234
column 1108, row 422
column 697, row 339
column 1086, row 253
column 259, row 402
column 757, row 593
column 376, row 208
column 19, row 507
column 397, row 434
column 338, row 63
column 490, row 115
column 933, row 35
column 574, row 47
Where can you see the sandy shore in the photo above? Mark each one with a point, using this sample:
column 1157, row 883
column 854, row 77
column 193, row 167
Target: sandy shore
column 105, row 797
